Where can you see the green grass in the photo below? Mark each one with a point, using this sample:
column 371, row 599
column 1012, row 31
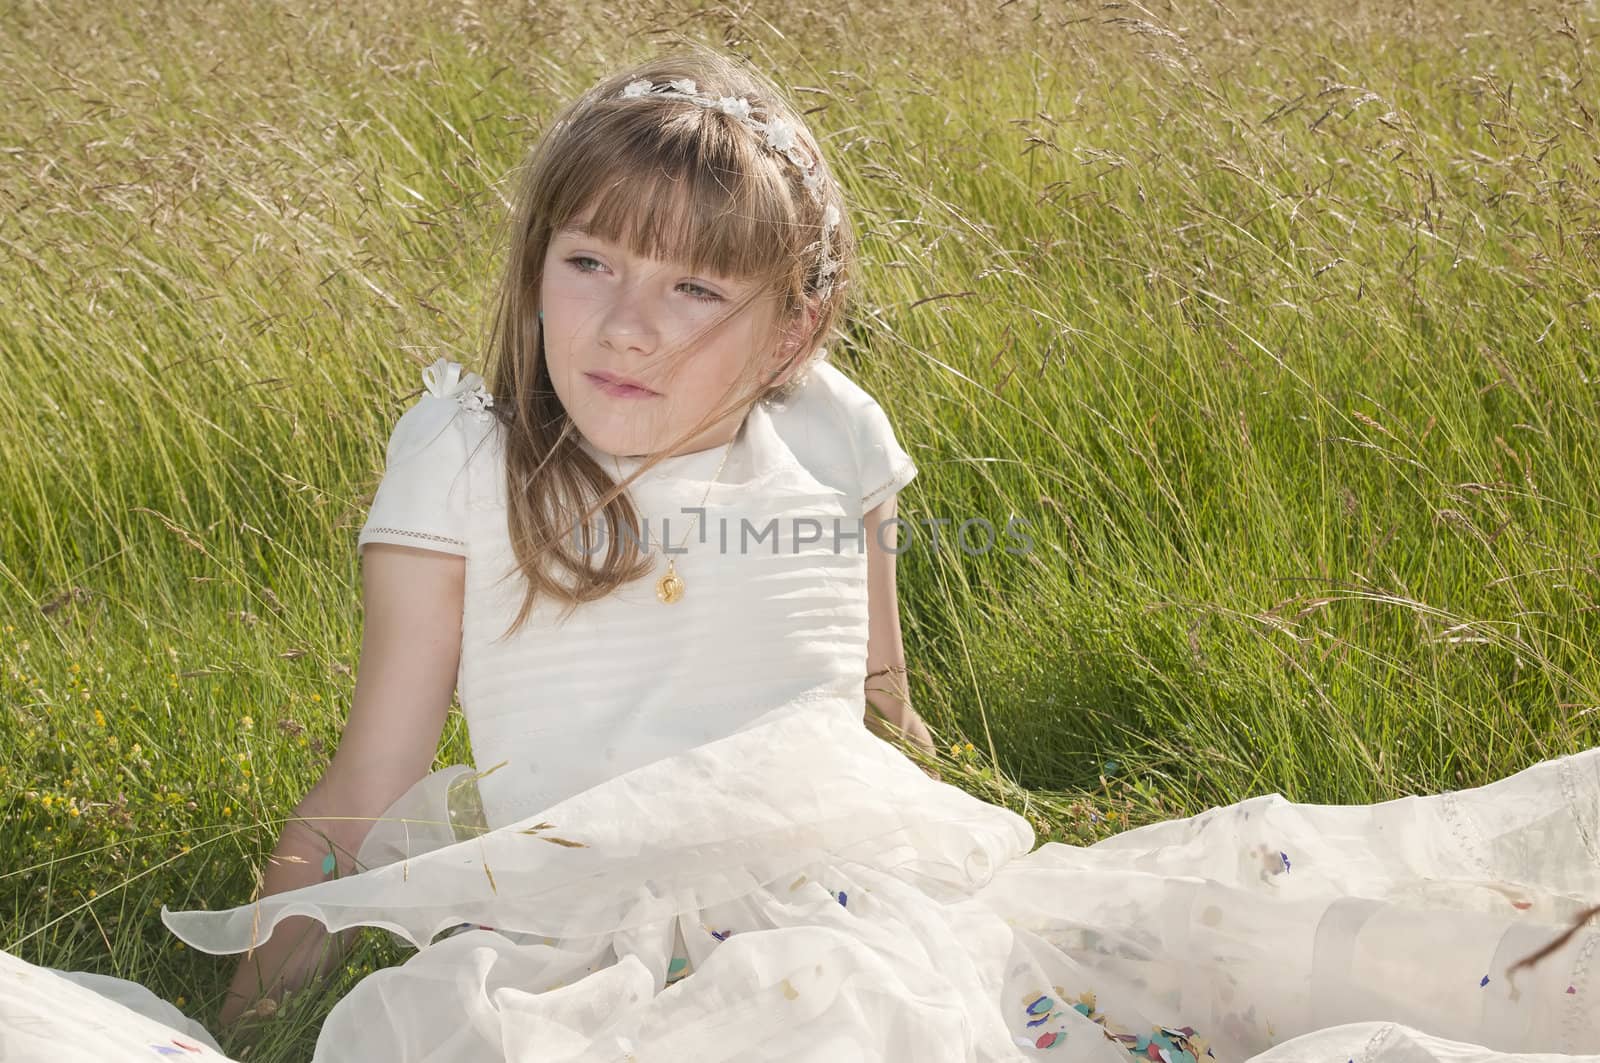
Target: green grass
column 1279, row 329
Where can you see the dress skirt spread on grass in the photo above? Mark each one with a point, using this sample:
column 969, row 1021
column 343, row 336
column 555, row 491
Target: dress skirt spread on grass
column 705, row 856
column 800, row 890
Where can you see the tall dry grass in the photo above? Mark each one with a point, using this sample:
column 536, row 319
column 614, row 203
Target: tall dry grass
column 1279, row 327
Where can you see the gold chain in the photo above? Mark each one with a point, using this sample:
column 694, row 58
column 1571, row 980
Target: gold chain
column 669, row 588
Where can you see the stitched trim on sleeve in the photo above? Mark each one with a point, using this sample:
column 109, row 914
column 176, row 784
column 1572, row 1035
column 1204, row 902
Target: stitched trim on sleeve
column 417, row 535
column 881, row 488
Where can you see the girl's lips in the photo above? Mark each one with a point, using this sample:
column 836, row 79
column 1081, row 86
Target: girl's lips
column 620, row 391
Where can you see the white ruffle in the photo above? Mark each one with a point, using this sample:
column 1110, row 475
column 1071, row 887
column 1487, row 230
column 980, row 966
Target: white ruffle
column 799, row 890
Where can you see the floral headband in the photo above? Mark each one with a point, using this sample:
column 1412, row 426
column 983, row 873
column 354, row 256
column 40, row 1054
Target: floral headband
column 780, row 137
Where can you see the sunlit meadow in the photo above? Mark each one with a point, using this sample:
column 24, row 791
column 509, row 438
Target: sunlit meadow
column 1278, row 324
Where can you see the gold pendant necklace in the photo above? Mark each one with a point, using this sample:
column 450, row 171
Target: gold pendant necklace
column 669, row 588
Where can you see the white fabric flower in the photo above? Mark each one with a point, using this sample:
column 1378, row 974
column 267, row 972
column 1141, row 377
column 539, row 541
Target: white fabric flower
column 636, row 88
column 830, row 217
column 477, row 402
column 683, row 85
column 444, row 379
column 737, row 106
column 780, row 135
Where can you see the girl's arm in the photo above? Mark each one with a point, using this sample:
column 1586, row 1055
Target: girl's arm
column 410, row 649
column 889, row 711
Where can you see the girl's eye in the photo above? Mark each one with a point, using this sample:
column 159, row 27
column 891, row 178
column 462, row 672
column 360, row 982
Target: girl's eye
column 706, row 296
column 709, row 296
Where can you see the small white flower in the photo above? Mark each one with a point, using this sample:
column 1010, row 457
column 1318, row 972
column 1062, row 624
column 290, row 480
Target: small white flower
column 636, row 88
column 683, row 85
column 830, row 217
column 444, row 379
column 780, row 135
column 477, row 402
column 737, row 106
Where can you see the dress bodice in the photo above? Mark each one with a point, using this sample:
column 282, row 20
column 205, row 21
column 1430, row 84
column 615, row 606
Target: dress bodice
column 774, row 569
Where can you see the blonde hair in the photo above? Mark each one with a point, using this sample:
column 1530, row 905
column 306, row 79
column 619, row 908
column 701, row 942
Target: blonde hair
column 674, row 181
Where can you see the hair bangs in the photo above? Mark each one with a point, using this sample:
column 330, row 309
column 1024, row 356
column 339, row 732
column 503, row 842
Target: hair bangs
column 705, row 198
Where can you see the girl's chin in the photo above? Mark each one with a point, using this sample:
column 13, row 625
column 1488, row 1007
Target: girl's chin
column 621, row 444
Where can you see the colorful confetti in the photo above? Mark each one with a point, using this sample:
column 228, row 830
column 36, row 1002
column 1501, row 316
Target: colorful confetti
column 1166, row 1044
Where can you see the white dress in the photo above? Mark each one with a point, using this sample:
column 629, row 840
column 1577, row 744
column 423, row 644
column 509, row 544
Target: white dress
column 687, row 864
column 775, row 569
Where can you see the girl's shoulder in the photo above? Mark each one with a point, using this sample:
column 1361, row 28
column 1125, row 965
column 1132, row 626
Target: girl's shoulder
column 843, row 437
column 455, row 407
column 421, row 500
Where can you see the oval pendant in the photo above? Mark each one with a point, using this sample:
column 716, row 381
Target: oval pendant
column 669, row 588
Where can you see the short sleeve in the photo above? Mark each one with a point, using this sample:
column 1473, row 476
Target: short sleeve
column 421, row 500
column 884, row 467
column 845, row 437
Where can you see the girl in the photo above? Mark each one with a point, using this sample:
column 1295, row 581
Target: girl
column 648, row 556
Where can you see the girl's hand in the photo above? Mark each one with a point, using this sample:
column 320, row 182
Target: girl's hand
column 243, row 1017
column 240, row 1010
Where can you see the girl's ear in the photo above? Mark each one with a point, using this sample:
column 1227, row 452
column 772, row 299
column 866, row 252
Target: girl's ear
column 794, row 341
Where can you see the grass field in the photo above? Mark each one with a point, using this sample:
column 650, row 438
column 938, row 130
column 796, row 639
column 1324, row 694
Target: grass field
column 1281, row 330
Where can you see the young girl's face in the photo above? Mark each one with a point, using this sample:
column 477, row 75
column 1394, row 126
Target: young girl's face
column 610, row 314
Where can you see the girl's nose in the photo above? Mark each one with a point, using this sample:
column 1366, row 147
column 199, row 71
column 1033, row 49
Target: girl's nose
column 629, row 323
